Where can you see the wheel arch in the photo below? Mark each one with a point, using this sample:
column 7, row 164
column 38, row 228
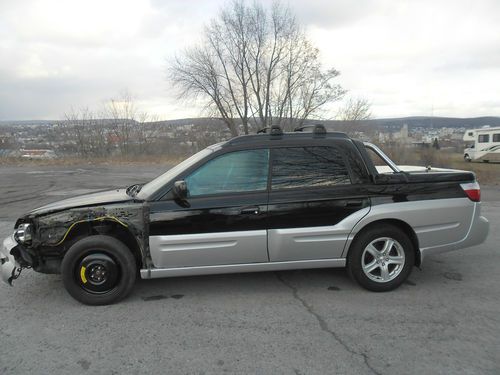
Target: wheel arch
column 106, row 227
column 402, row 225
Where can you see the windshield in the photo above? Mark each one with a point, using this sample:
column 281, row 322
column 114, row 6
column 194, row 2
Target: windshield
column 153, row 186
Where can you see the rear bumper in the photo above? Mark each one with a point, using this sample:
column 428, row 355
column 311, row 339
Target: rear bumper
column 477, row 234
column 8, row 264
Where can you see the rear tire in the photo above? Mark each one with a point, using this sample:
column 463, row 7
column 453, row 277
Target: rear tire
column 98, row 270
column 381, row 258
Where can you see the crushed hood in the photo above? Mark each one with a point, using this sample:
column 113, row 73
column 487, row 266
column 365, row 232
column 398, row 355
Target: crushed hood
column 93, row 199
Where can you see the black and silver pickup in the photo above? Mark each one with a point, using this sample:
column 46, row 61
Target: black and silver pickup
column 264, row 202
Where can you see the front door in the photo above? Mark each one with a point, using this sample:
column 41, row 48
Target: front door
column 225, row 222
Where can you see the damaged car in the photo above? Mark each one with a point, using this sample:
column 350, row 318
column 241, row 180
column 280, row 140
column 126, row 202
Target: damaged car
column 265, row 202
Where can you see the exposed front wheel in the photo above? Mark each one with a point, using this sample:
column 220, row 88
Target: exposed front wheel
column 98, row 270
column 467, row 158
column 381, row 258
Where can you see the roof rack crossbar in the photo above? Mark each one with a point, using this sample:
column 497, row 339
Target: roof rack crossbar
column 317, row 128
column 273, row 130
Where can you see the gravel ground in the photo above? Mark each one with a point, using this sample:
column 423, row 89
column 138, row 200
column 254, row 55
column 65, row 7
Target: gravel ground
column 445, row 319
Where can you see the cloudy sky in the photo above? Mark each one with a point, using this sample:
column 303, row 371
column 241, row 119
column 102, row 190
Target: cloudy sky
column 407, row 57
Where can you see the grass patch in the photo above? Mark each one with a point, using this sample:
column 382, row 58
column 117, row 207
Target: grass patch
column 487, row 173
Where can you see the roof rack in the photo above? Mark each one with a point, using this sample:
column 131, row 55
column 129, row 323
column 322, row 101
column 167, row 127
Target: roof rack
column 273, row 130
column 317, row 128
column 277, row 134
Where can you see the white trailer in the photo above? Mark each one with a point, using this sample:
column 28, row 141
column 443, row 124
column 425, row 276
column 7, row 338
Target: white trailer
column 484, row 145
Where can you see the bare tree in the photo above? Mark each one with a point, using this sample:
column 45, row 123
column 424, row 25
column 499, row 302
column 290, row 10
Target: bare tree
column 119, row 126
column 146, row 132
column 121, row 112
column 133, row 130
column 86, row 131
column 255, row 65
column 355, row 110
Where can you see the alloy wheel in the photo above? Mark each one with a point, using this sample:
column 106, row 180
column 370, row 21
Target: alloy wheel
column 383, row 259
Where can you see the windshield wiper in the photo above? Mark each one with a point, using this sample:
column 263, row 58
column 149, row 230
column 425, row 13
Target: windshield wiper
column 133, row 190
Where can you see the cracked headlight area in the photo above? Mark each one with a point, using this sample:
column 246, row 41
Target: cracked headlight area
column 52, row 235
column 23, row 233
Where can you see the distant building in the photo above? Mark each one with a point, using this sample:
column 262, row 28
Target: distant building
column 5, row 141
column 38, row 154
column 401, row 136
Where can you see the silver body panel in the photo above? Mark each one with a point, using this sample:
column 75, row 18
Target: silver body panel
column 476, row 235
column 205, row 249
column 436, row 222
column 440, row 225
column 325, row 242
column 235, row 268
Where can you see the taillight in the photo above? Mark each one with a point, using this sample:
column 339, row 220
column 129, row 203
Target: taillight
column 472, row 190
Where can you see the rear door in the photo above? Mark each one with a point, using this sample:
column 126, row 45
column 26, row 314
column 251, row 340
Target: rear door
column 313, row 203
column 225, row 221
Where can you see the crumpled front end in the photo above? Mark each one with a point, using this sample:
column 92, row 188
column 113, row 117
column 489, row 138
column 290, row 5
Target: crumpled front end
column 9, row 268
column 40, row 241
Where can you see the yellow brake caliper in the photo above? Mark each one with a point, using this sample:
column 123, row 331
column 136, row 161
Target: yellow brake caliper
column 82, row 274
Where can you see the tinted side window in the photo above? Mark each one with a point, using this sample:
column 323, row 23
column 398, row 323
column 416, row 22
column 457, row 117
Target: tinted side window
column 238, row 171
column 483, row 138
column 496, row 137
column 308, row 167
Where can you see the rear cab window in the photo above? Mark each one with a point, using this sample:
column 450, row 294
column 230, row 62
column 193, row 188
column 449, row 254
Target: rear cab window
column 308, row 167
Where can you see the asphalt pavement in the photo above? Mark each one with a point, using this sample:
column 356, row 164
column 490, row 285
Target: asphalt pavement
column 445, row 319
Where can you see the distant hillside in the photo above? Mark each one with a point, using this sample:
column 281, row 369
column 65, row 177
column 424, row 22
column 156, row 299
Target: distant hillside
column 199, row 121
column 26, row 122
column 438, row 122
column 412, row 122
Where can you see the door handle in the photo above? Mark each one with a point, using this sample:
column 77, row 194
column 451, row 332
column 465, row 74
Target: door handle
column 354, row 203
column 250, row 211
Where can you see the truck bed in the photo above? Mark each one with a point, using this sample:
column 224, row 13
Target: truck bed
column 415, row 174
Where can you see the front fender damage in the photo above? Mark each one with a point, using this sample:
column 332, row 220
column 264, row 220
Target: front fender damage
column 54, row 233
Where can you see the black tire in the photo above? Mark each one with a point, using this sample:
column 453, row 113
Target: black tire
column 467, row 158
column 357, row 252
column 112, row 260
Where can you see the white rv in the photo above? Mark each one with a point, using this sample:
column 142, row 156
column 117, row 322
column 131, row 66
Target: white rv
column 483, row 144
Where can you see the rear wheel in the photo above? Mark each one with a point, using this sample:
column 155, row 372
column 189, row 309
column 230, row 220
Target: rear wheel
column 98, row 270
column 381, row 258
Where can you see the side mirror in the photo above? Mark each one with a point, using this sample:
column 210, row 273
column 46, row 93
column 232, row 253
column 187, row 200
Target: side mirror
column 180, row 192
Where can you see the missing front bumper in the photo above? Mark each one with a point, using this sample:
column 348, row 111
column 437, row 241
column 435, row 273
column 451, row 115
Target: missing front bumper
column 9, row 268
